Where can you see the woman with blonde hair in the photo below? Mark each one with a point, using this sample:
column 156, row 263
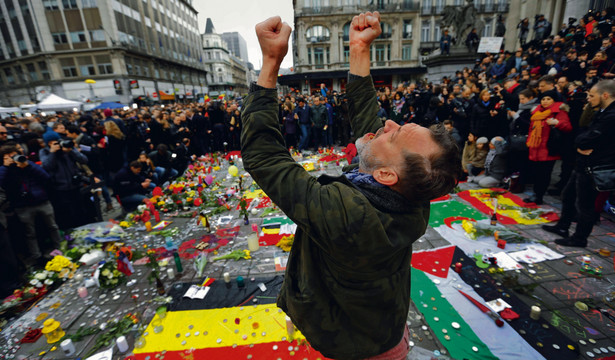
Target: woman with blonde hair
column 115, row 147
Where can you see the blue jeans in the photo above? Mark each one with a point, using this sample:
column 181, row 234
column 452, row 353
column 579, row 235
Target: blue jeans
column 305, row 136
column 131, row 201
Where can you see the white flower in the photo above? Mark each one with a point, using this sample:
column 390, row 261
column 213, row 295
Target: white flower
column 40, row 275
column 34, row 282
column 141, row 208
column 48, row 282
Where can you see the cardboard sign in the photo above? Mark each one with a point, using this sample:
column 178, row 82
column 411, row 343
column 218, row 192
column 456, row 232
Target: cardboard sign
column 490, row 44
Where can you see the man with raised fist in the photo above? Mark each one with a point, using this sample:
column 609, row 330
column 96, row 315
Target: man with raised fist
column 347, row 283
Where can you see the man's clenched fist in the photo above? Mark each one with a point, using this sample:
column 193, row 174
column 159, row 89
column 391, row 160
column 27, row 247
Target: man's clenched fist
column 273, row 37
column 364, row 28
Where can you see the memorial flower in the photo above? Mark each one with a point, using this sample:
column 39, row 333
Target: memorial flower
column 58, row 263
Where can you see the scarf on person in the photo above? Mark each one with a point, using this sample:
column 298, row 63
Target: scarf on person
column 380, row 196
column 358, row 178
column 538, row 120
column 399, row 104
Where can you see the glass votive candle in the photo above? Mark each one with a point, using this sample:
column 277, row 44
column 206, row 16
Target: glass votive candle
column 83, row 292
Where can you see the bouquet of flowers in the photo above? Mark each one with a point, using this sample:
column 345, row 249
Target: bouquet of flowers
column 153, row 264
column 286, row 242
column 109, row 276
column 474, row 230
column 62, row 266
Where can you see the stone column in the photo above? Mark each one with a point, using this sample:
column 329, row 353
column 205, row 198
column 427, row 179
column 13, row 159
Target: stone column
column 511, row 39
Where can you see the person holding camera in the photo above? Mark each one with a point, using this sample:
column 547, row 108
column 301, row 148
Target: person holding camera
column 60, row 159
column 25, row 185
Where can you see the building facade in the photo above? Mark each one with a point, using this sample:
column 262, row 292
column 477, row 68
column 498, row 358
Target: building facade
column 236, row 44
column 411, row 30
column 227, row 74
column 125, row 49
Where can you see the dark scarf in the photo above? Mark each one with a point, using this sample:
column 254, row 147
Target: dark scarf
column 380, row 196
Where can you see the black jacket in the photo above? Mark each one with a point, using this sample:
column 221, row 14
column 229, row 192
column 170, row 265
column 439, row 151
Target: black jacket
column 127, row 183
column 598, row 136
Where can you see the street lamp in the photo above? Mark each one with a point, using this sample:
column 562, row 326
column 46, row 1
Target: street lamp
column 90, row 82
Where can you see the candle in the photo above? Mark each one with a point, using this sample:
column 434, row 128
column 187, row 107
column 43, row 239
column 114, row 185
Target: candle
column 458, row 267
column 290, row 327
column 79, row 277
column 156, row 215
column 68, row 347
column 170, row 273
column 253, row 242
column 83, row 292
column 148, row 226
column 535, row 312
column 227, row 277
column 122, row 344
column 240, row 282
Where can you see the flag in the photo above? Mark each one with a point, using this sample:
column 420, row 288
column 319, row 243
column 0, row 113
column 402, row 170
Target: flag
column 206, row 98
column 124, row 265
column 221, row 96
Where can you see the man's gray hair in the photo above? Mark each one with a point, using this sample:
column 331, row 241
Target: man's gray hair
column 606, row 86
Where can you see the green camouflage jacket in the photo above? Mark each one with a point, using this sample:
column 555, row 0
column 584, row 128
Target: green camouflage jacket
column 347, row 282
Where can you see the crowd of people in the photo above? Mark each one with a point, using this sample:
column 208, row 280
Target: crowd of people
column 513, row 115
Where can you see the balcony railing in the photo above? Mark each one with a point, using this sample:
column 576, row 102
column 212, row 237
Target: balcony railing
column 499, row 7
column 432, row 10
column 405, row 5
column 320, row 10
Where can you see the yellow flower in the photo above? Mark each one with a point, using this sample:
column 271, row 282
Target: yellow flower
column 124, row 224
column 468, row 226
column 106, row 272
column 247, row 254
column 286, row 242
column 58, row 263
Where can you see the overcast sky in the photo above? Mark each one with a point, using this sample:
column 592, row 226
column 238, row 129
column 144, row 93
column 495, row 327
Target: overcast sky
column 242, row 16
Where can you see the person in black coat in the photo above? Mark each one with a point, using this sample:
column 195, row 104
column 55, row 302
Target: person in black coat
column 200, row 129
column 594, row 148
column 482, row 121
column 130, row 185
column 519, row 126
column 216, row 117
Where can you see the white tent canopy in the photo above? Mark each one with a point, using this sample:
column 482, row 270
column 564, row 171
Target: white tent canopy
column 55, row 103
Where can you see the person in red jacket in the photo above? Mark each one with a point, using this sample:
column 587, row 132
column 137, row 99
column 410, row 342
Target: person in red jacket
column 545, row 117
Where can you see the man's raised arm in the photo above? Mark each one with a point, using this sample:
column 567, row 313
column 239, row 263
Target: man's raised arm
column 363, row 105
column 273, row 37
column 318, row 209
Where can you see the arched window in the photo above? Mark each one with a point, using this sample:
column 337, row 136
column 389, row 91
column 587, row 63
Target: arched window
column 386, row 30
column 317, row 33
column 346, row 31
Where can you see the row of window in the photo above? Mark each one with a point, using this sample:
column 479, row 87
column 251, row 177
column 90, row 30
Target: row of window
column 426, row 27
column 86, row 66
column 68, row 4
column 380, row 53
column 316, row 4
column 33, row 72
column 78, row 36
column 319, row 33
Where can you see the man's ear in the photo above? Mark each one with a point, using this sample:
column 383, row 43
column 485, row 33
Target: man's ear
column 386, row 175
